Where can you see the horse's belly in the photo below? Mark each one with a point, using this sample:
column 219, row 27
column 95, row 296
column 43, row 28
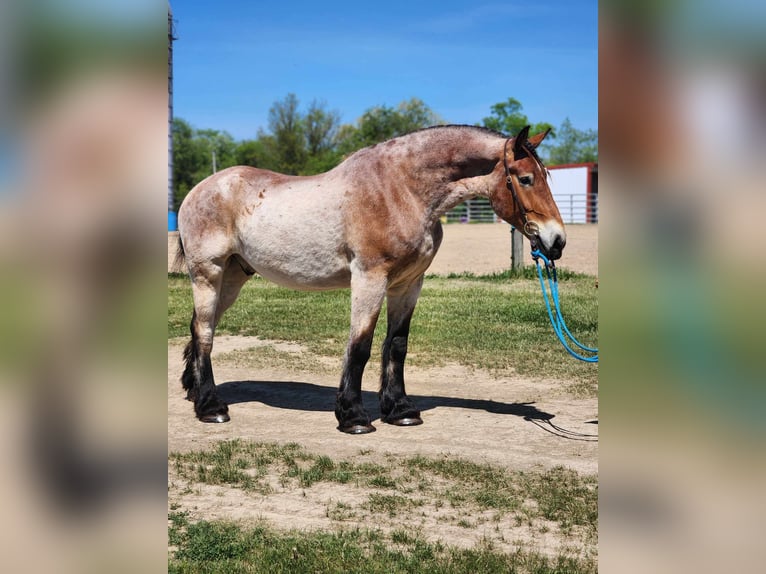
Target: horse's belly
column 309, row 276
column 295, row 258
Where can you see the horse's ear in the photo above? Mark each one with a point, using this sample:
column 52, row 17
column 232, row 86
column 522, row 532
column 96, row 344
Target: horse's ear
column 536, row 140
column 518, row 142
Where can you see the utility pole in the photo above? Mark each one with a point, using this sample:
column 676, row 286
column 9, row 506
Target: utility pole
column 172, row 221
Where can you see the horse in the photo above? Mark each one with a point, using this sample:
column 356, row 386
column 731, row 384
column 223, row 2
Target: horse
column 372, row 223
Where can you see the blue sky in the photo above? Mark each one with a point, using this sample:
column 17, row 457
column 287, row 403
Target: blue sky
column 235, row 58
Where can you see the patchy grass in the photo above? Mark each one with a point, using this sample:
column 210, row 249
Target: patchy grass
column 224, row 547
column 526, row 272
column 558, row 496
column 493, row 322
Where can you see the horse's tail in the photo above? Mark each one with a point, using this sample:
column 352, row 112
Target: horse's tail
column 190, row 352
column 180, row 258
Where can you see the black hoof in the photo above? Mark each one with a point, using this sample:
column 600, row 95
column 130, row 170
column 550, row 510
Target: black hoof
column 406, row 422
column 215, row 418
column 212, row 410
column 357, row 429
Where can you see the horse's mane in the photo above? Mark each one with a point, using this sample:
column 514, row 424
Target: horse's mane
column 488, row 131
column 436, row 128
column 527, row 146
column 482, row 129
column 467, row 127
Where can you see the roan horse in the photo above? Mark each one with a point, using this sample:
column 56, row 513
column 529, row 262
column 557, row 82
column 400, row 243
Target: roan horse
column 371, row 223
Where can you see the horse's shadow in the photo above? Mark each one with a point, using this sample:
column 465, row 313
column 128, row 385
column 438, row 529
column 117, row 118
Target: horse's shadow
column 309, row 397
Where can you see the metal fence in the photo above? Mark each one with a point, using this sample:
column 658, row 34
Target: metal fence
column 573, row 208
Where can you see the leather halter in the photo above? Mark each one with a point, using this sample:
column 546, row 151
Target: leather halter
column 529, row 228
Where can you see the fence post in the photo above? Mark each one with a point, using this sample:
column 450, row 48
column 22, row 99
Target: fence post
column 517, row 250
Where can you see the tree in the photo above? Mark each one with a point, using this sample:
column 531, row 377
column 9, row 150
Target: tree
column 288, row 130
column 573, row 145
column 250, row 152
column 193, row 152
column 508, row 118
column 220, row 146
column 381, row 123
column 188, row 159
column 414, row 114
column 321, row 126
column 296, row 143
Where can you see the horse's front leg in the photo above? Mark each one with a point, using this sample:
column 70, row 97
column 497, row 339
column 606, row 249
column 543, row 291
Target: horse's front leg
column 395, row 406
column 367, row 292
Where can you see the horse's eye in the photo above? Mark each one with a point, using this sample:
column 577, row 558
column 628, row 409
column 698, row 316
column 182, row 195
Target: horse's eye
column 525, row 180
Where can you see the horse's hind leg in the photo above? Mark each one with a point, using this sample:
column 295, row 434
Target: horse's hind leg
column 395, row 406
column 214, row 288
column 235, row 276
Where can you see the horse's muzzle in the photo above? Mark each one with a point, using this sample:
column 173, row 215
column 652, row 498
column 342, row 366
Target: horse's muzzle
column 552, row 251
column 555, row 250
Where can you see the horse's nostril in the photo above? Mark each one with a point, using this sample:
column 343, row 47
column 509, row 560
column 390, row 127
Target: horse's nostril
column 556, row 248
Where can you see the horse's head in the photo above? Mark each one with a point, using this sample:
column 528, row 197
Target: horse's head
column 522, row 196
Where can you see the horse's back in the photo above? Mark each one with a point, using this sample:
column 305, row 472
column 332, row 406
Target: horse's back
column 305, row 232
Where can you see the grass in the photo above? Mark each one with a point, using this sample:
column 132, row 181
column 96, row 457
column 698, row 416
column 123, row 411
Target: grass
column 451, row 490
column 526, row 272
column 246, row 464
column 224, row 547
column 494, row 322
column 557, row 495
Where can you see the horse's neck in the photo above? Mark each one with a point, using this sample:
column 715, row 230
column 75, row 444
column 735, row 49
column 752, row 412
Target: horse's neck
column 456, row 192
column 471, row 175
column 443, row 168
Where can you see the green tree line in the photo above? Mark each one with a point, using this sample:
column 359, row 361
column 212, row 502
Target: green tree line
column 305, row 142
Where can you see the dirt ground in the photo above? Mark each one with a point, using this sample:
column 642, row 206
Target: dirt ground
column 466, row 412
column 486, row 248
column 509, row 421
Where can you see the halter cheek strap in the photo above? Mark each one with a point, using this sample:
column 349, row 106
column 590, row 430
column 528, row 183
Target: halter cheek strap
column 529, row 227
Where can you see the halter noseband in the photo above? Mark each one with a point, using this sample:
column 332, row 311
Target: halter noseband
column 529, row 227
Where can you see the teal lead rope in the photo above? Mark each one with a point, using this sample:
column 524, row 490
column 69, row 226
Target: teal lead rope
column 554, row 313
